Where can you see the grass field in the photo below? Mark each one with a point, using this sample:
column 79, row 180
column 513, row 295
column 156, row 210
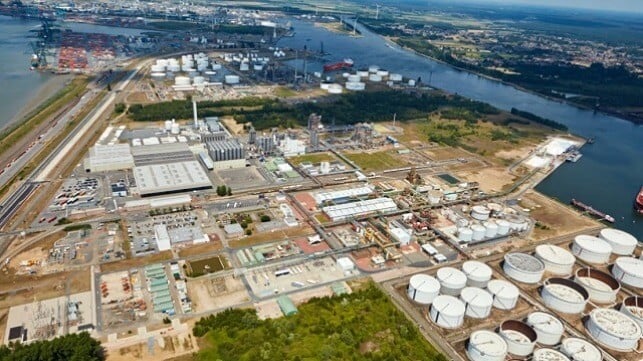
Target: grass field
column 207, row 265
column 376, row 161
column 312, row 158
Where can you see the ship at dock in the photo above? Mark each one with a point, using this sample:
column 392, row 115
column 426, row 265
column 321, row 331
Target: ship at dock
column 638, row 202
column 345, row 64
column 591, row 211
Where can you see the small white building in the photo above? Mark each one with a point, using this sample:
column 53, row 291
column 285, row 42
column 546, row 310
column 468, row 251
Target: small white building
column 292, row 147
column 401, row 235
column 233, row 230
column 345, row 264
column 162, row 237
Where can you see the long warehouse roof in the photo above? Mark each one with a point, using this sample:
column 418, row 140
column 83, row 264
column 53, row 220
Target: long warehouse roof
column 346, row 210
column 171, row 177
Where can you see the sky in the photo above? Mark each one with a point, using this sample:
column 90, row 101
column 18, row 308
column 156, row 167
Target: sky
column 617, row 5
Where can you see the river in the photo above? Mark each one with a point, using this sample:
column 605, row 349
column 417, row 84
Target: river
column 609, row 174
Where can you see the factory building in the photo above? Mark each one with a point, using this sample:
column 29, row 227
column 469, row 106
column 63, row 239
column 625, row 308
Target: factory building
column 227, row 154
column 266, row 144
column 158, row 179
column 342, row 195
column 104, row 158
column 292, row 147
column 344, row 211
column 162, row 154
column 252, row 135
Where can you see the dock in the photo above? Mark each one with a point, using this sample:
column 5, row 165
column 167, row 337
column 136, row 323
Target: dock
column 590, row 210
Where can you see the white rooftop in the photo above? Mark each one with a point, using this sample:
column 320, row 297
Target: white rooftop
column 347, row 210
column 321, row 197
column 170, row 177
column 105, row 155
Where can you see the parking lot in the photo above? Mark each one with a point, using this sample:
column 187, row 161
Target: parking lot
column 240, row 178
column 296, row 276
column 237, row 205
column 74, row 195
column 182, row 227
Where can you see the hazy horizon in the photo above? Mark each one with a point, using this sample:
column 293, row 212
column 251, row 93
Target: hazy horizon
column 611, row 5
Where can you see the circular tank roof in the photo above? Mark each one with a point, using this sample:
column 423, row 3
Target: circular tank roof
column 524, row 262
column 424, row 283
column 449, row 306
column 465, row 230
column 615, row 323
column 618, row 237
column 488, row 343
column 451, row 275
column 480, row 209
column 477, row 227
column 555, row 254
column 593, row 244
column 548, row 354
column 477, row 269
column 545, row 322
column 567, row 290
column 502, row 288
column 518, row 332
column 581, row 350
column 596, row 280
column 476, row 297
column 630, row 265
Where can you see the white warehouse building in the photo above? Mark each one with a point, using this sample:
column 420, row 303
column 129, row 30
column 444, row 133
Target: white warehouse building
column 344, row 211
column 104, row 158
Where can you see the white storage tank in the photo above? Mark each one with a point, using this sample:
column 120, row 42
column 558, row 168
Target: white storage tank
column 411, row 82
column 486, row 346
column 491, row 229
column 477, row 302
column 375, row 78
column 325, row 85
column 182, row 80
column 519, row 336
column 363, row 73
column 601, row 286
column 579, row 349
column 452, row 281
column 216, row 66
column 353, row 78
column 504, row 294
column 158, row 76
column 478, row 274
column 335, row 89
column 523, row 267
column 174, row 68
column 557, row 260
column 373, row 69
column 480, row 213
column 591, row 249
column 517, row 223
column 629, row 271
column 176, row 129
column 548, row 354
column 382, row 72
column 244, row 66
column 447, row 311
column 564, row 295
column 168, row 125
column 423, row 288
column 622, row 242
column 355, row 86
column 478, row 232
column 613, row 329
column 156, row 68
column 465, row 234
column 231, row 79
column 548, row 327
column 395, row 77
column 633, row 307
column 503, row 227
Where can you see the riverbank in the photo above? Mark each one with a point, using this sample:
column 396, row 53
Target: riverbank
column 608, row 111
column 51, row 87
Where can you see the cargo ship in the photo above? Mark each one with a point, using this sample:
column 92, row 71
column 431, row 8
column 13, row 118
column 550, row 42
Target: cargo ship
column 638, row 202
column 345, row 64
column 591, row 211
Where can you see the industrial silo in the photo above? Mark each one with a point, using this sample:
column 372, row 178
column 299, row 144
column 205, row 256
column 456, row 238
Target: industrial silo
column 547, row 326
column 564, row 295
column 519, row 336
column 477, row 302
column 447, row 311
column 423, row 288
column 504, row 294
column 452, row 281
column 523, row 267
column 633, row 307
column 478, row 232
column 478, row 274
column 579, row 349
column 613, row 329
column 557, row 260
column 591, row 249
column 485, row 345
column 629, row 271
column 480, row 213
column 602, row 287
column 622, row 242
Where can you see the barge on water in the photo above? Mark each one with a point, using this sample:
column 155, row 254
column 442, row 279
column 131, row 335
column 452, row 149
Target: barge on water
column 590, row 210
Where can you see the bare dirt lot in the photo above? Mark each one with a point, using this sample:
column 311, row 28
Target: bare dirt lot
column 490, row 179
column 210, row 293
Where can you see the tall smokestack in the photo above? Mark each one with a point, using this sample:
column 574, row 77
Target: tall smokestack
column 196, row 117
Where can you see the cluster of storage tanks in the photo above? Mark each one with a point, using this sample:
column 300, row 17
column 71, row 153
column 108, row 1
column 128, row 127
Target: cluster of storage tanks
column 454, row 294
column 196, row 68
column 488, row 221
column 246, row 61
